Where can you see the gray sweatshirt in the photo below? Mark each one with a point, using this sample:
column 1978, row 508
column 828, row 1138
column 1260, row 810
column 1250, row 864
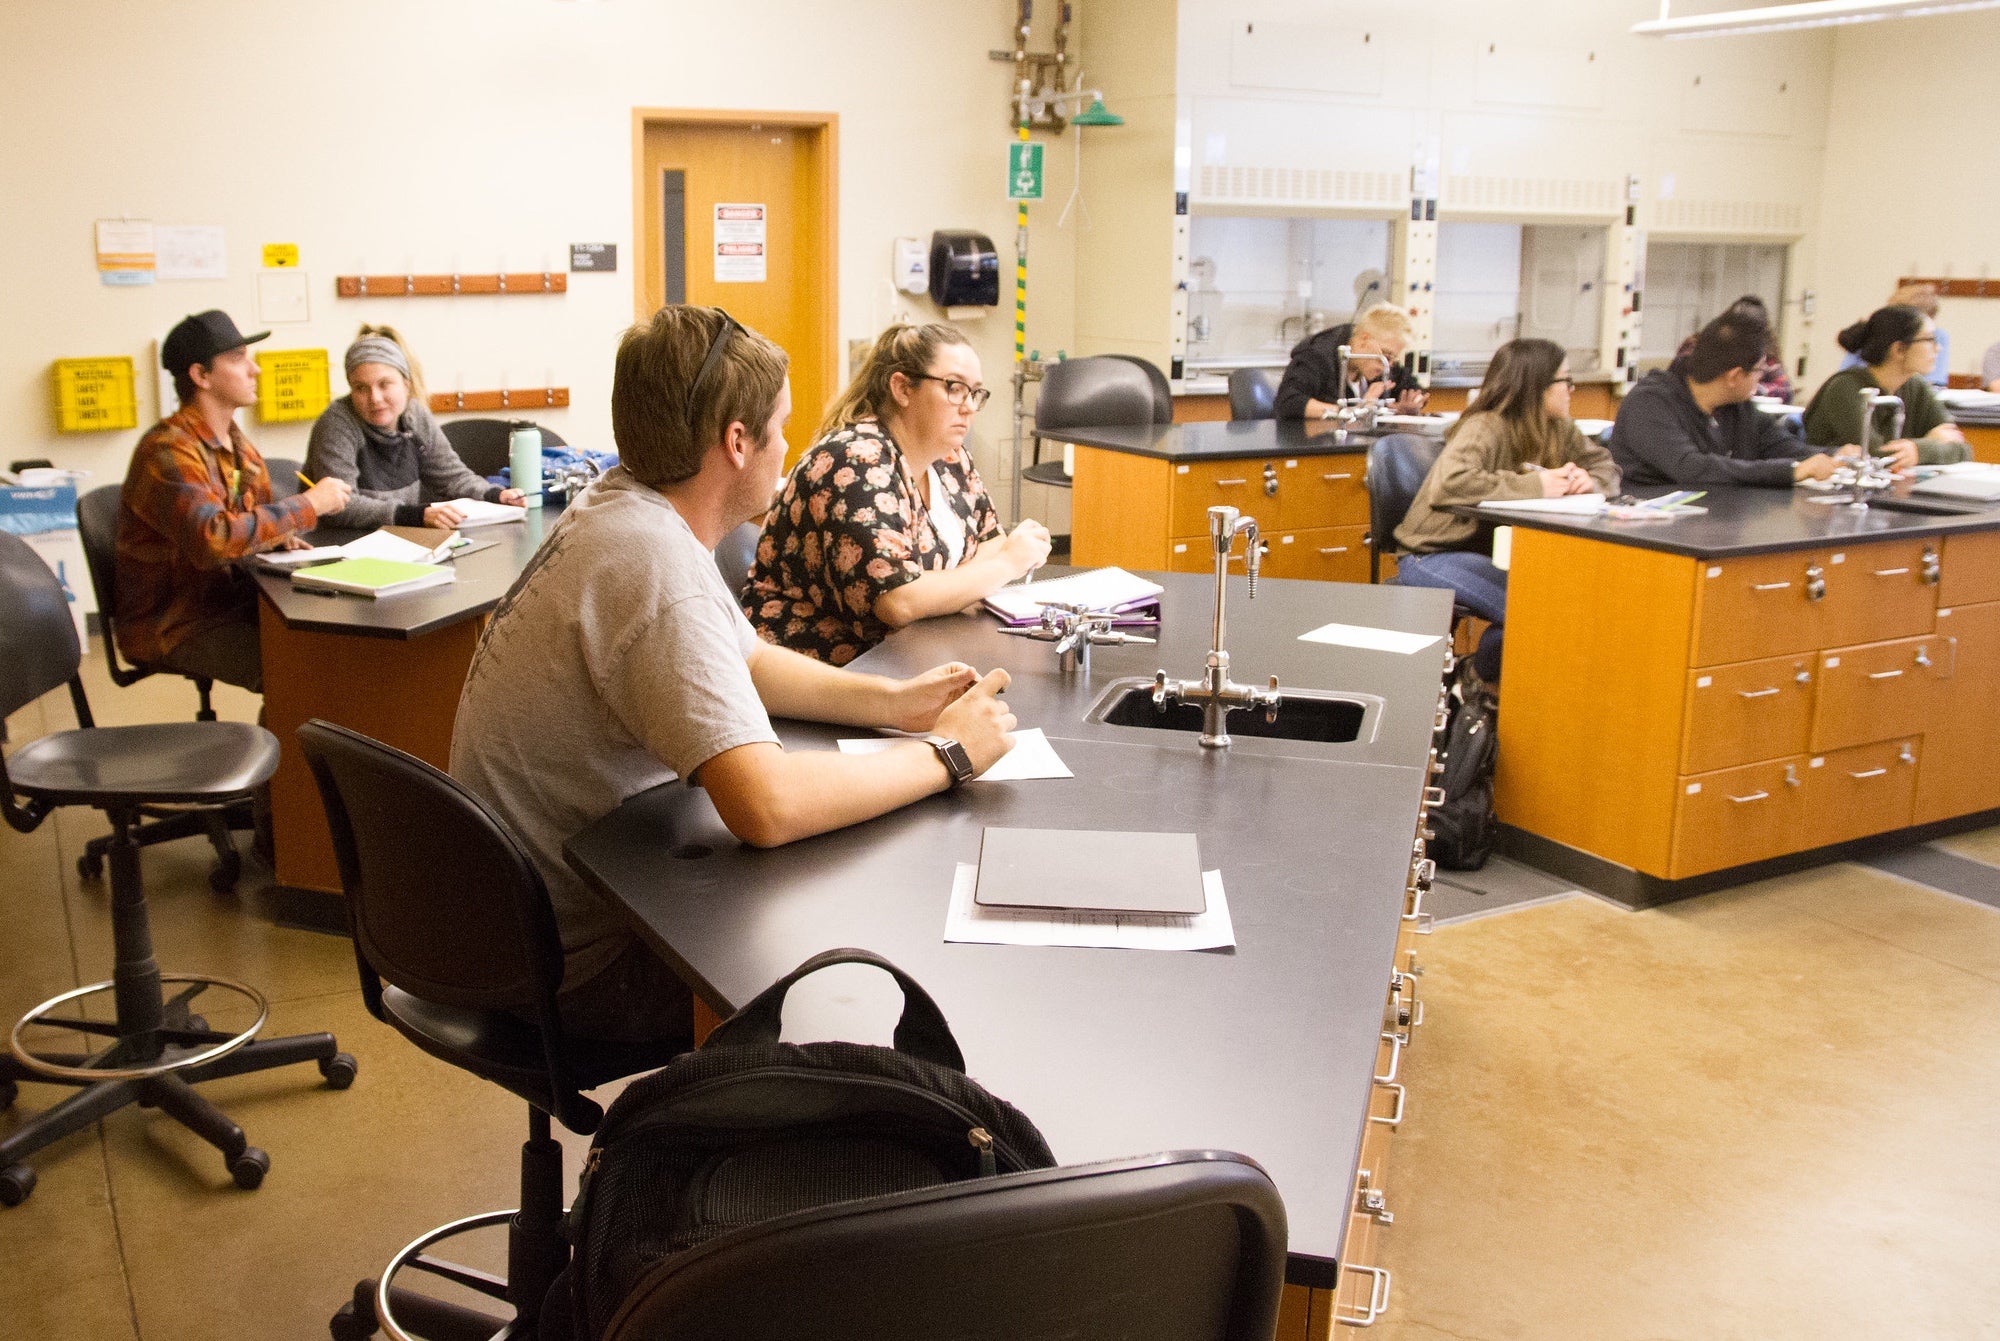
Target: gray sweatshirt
column 1662, row 437
column 395, row 475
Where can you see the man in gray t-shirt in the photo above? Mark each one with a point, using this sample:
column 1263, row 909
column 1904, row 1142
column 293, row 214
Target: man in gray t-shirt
column 622, row 647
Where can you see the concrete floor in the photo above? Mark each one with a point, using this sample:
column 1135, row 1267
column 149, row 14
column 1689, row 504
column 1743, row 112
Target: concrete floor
column 1766, row 1113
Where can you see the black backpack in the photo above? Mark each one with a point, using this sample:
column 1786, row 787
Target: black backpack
column 1462, row 826
column 746, row 1128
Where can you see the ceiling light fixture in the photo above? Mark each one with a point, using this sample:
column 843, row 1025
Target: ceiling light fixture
column 1783, row 18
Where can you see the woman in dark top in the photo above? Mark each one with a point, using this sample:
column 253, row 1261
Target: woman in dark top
column 1897, row 347
column 884, row 520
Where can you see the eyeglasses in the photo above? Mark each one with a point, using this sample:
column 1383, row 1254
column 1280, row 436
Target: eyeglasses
column 715, row 351
column 957, row 392
column 1569, row 382
column 1923, row 338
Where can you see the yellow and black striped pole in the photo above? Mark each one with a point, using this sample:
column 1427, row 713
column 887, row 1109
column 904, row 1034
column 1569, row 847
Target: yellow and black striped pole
column 1021, row 272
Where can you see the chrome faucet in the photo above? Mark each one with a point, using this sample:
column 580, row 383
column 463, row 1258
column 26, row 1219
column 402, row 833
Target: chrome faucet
column 1075, row 629
column 1215, row 691
column 1871, row 472
column 1359, row 412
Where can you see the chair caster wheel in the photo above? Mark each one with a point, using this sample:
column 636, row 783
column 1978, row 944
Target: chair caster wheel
column 90, row 868
column 339, row 1070
column 346, row 1325
column 16, row 1182
column 9, row 1091
column 227, row 871
column 249, row 1168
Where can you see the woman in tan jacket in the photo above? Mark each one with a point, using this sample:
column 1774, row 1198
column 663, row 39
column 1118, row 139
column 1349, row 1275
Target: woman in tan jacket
column 1517, row 442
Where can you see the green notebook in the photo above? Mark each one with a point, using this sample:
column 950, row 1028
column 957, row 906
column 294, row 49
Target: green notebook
column 373, row 577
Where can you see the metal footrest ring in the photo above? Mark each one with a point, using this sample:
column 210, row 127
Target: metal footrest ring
column 173, row 1060
column 384, row 1314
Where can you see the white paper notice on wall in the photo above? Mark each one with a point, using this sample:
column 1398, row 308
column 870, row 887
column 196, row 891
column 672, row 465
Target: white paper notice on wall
column 281, row 296
column 190, row 251
column 739, row 243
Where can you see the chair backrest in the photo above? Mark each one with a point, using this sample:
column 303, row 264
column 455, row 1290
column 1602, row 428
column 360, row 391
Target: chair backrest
column 1188, row 1246
column 284, row 474
column 36, row 631
column 1163, row 391
column 1253, row 393
column 441, row 898
column 735, row 554
column 97, row 528
column 1397, row 465
column 482, row 443
column 1091, row 392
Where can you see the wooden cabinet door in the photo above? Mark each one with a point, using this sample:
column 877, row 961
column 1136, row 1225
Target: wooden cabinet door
column 1319, row 491
column 1856, row 792
column 1738, row 815
column 1250, row 486
column 1752, row 711
column 1762, row 606
column 1959, row 774
column 1885, row 589
column 1326, row 554
column 1879, row 690
column 1970, row 569
column 1196, row 555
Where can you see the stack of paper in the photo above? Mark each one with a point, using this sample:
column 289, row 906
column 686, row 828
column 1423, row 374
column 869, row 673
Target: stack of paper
column 1582, row 505
column 1108, row 589
column 404, row 544
column 478, row 512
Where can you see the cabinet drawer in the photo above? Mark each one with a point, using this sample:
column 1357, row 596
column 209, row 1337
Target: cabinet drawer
column 1883, row 590
column 1196, row 555
column 1879, row 689
column 1751, row 711
column 1327, row 554
column 1315, row 491
column 1762, row 606
column 1971, row 569
column 1738, row 815
column 1865, row 790
column 1250, row 486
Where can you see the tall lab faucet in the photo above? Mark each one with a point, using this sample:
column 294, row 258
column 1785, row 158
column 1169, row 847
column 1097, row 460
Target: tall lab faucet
column 1215, row 691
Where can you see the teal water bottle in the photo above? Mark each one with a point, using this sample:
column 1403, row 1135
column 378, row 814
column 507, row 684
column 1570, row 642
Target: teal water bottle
column 524, row 461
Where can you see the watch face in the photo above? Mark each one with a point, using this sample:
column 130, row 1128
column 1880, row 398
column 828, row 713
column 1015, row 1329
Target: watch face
column 956, row 761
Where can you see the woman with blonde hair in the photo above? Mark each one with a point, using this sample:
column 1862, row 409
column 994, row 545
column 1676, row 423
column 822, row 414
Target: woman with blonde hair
column 884, row 521
column 381, row 439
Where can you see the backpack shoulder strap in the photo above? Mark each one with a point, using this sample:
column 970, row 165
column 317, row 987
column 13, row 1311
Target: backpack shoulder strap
column 921, row 1032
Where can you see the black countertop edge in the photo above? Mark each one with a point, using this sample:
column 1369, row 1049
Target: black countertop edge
column 1223, row 440
column 401, row 633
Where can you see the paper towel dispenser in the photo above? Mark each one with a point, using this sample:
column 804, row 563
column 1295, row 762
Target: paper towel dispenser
column 965, row 270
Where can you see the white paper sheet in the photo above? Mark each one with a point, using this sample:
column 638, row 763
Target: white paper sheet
column 1031, row 757
column 479, row 512
column 967, row 921
column 283, row 295
column 1583, row 505
column 1370, row 640
column 190, row 251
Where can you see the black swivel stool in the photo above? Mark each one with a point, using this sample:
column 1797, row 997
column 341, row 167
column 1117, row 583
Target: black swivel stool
column 1187, row 1246
column 457, row 948
column 482, row 443
column 1397, row 467
column 160, row 1047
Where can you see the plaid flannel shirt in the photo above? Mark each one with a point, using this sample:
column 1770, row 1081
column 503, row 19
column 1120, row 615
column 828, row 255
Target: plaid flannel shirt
column 190, row 508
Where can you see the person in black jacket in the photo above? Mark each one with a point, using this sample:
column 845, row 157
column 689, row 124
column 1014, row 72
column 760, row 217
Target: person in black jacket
column 1376, row 341
column 1692, row 422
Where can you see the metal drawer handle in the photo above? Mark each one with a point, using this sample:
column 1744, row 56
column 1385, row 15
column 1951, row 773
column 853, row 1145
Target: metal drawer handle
column 1869, row 773
column 1224, row 484
column 1890, row 572
column 1753, row 796
column 1378, row 1296
column 1346, row 476
column 1433, row 796
column 1334, row 549
column 1884, row 675
column 1758, row 693
column 1395, row 1042
column 1396, row 1118
column 1770, row 586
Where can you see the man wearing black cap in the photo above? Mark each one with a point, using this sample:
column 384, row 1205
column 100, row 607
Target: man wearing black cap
column 197, row 499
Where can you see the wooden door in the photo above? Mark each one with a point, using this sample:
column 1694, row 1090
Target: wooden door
column 779, row 165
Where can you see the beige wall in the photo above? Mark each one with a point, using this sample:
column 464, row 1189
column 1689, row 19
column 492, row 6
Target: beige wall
column 383, row 136
column 1910, row 187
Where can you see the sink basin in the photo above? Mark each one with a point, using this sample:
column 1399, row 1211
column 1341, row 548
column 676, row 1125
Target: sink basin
column 1305, row 714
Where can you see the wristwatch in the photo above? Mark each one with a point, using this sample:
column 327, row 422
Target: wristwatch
column 956, row 761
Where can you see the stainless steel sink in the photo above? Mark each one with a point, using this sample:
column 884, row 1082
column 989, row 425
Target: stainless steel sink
column 1305, row 714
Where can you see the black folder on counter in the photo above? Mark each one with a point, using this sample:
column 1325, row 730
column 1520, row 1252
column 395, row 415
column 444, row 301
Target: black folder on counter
column 1090, row 870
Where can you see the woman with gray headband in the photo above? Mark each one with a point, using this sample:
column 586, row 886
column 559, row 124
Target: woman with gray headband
column 381, row 439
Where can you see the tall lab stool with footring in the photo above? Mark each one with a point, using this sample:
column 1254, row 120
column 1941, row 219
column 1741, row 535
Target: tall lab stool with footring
column 160, row 1048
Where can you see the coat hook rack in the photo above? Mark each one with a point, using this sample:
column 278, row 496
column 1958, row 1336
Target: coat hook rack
column 514, row 398
column 430, row 286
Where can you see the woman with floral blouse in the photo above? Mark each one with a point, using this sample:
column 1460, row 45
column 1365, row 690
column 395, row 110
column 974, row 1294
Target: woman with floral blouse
column 884, row 521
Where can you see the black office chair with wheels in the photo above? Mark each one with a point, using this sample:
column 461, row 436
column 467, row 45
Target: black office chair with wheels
column 482, row 443
column 1188, row 1246
column 284, row 473
column 97, row 526
column 1397, row 467
column 160, row 1047
column 735, row 554
column 1163, row 391
column 457, row 949
column 1253, row 393
column 1089, row 392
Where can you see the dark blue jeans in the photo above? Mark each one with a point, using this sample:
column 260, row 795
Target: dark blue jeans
column 1480, row 588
